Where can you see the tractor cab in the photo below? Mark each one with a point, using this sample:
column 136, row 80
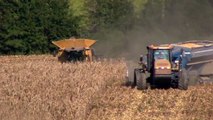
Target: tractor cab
column 159, row 59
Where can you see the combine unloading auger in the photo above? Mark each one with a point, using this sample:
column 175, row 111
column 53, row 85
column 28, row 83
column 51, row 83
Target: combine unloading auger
column 75, row 49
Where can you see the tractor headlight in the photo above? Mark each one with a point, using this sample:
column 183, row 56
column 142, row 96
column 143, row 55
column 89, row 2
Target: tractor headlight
column 168, row 67
column 127, row 73
column 157, row 67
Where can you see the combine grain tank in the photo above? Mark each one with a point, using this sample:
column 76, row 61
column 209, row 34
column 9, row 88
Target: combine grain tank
column 75, row 50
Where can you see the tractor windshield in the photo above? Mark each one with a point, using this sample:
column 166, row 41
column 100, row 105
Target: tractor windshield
column 161, row 54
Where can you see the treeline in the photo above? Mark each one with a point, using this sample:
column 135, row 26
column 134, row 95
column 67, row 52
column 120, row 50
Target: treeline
column 29, row 26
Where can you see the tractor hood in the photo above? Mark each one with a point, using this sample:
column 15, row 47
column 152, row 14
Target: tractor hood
column 162, row 64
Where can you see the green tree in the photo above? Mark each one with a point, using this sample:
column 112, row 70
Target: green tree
column 113, row 14
column 29, row 26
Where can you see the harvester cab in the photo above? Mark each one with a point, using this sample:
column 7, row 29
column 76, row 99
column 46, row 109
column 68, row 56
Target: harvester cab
column 72, row 50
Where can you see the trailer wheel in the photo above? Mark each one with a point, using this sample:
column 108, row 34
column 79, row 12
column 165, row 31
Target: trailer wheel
column 141, row 82
column 183, row 80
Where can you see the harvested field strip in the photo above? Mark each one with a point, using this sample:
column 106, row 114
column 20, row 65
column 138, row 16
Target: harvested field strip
column 130, row 104
column 39, row 87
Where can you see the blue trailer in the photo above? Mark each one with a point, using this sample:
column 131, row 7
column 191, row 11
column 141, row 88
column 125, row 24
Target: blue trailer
column 197, row 59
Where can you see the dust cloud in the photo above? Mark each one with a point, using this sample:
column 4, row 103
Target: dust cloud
column 173, row 22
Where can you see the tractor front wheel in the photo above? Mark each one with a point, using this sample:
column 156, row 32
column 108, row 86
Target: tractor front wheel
column 140, row 79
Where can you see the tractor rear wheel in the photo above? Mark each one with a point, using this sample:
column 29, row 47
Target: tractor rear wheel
column 183, row 80
column 141, row 82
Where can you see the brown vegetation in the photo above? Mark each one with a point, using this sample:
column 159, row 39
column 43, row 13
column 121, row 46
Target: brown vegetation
column 127, row 104
column 39, row 87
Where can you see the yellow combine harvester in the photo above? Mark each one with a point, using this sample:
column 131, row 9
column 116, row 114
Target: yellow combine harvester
column 75, row 50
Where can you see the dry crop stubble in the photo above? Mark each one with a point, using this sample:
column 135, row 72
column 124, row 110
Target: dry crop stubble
column 130, row 104
column 39, row 87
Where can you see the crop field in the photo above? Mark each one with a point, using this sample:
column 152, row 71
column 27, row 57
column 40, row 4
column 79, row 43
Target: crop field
column 41, row 88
